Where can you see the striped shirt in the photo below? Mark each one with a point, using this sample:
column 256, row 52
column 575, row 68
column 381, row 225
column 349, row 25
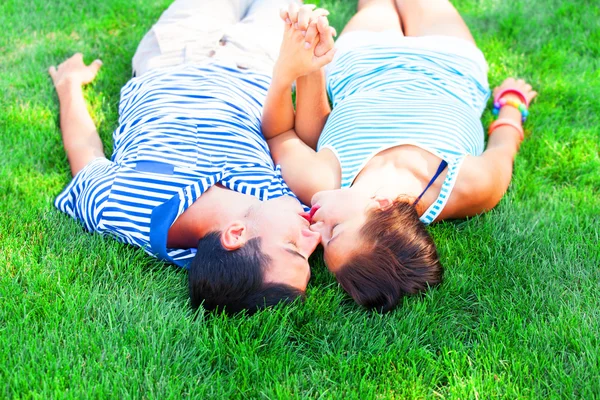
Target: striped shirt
column 181, row 131
column 389, row 96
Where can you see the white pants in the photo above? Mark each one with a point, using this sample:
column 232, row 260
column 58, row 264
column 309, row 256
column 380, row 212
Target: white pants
column 244, row 33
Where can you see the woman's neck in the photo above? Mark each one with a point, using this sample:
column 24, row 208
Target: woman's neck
column 387, row 180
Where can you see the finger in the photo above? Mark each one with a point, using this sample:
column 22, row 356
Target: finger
column 312, row 43
column 326, row 59
column 333, row 31
column 95, row 65
column 304, row 16
column 319, row 12
column 326, row 33
column 311, row 33
column 283, row 13
column 293, row 13
column 78, row 56
column 52, row 71
column 532, row 95
column 323, row 25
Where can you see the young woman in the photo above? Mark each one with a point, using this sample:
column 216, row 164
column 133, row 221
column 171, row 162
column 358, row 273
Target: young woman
column 403, row 146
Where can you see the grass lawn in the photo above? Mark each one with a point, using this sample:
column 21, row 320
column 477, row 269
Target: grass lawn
column 518, row 316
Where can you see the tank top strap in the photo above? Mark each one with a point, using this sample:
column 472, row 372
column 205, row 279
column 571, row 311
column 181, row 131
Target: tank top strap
column 438, row 205
column 439, row 171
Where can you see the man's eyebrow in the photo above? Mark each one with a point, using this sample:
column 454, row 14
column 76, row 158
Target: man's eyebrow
column 294, row 252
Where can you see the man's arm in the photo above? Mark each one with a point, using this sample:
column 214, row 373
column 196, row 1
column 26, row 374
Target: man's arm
column 301, row 167
column 484, row 180
column 80, row 137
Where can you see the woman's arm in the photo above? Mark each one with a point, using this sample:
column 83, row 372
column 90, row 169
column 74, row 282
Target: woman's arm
column 301, row 167
column 483, row 180
column 80, row 137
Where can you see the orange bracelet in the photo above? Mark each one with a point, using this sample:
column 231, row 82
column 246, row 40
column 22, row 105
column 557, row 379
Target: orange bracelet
column 506, row 122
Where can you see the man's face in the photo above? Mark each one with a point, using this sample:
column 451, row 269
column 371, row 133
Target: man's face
column 286, row 239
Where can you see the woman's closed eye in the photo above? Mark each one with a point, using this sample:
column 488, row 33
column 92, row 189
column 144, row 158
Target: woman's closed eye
column 332, row 235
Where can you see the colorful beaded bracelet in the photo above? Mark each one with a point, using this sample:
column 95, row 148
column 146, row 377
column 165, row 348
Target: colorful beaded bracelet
column 498, row 104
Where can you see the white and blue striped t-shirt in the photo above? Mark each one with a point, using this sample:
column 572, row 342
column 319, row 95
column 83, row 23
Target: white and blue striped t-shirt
column 181, row 131
column 386, row 96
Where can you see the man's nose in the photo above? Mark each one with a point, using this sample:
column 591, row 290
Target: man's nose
column 312, row 240
column 319, row 227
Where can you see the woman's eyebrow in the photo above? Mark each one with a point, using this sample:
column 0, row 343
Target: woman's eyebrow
column 332, row 239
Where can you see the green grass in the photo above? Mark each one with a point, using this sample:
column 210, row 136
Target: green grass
column 518, row 316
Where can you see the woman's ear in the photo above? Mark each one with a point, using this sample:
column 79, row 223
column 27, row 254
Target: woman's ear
column 381, row 203
column 234, row 236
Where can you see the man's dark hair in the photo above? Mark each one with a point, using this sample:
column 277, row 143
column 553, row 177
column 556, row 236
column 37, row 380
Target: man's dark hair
column 233, row 281
column 397, row 257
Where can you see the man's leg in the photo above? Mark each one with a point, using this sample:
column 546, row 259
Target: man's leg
column 254, row 42
column 374, row 16
column 188, row 31
column 432, row 17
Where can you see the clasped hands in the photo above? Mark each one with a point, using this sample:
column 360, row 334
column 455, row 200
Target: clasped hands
column 307, row 44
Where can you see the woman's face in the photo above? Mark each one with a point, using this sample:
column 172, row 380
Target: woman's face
column 338, row 215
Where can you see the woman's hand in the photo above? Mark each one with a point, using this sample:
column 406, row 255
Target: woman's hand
column 513, row 84
column 74, row 72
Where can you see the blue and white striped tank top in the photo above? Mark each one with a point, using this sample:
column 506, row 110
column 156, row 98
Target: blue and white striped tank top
column 389, row 96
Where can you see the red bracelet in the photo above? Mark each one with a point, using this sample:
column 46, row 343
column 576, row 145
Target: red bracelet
column 513, row 91
column 506, row 122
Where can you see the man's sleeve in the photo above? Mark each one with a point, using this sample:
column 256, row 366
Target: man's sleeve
column 84, row 198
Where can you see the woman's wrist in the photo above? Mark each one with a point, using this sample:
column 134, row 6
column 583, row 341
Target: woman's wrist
column 511, row 113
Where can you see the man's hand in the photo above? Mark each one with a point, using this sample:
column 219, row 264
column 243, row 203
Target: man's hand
column 300, row 52
column 80, row 138
column 74, row 72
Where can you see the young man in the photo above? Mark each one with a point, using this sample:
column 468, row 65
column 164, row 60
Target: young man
column 191, row 180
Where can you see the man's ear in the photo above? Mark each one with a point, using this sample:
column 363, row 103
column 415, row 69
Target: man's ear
column 381, row 203
column 234, row 236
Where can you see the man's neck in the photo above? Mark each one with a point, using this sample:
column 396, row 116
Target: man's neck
column 216, row 208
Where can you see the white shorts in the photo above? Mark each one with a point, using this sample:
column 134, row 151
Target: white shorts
column 244, row 33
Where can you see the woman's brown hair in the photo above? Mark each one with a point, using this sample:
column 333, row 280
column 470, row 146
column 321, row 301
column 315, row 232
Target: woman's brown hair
column 398, row 257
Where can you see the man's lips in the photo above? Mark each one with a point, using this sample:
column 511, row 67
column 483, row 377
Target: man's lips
column 306, row 216
column 313, row 210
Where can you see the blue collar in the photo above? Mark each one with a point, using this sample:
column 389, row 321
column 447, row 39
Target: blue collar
column 161, row 220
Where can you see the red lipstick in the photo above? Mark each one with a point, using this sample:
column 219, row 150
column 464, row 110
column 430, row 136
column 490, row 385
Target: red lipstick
column 306, row 216
column 313, row 210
